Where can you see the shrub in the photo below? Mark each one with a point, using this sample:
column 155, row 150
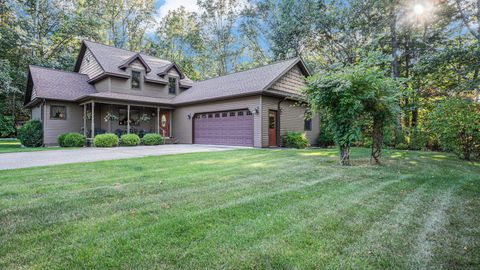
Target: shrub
column 130, row 140
column 456, row 123
column 31, row 134
column 105, row 140
column 401, row 146
column 7, row 126
column 295, row 140
column 73, row 140
column 152, row 139
column 418, row 139
column 61, row 139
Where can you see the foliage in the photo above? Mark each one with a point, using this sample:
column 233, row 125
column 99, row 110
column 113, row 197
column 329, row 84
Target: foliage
column 295, row 140
column 401, row 146
column 72, row 139
column 349, row 94
column 130, row 140
column 61, row 139
column 418, row 139
column 109, row 117
column 31, row 134
column 456, row 122
column 7, row 126
column 105, row 140
column 152, row 139
column 325, row 138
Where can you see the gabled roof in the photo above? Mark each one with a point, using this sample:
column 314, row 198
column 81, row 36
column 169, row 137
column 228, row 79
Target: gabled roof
column 112, row 61
column 167, row 68
column 56, row 84
column 249, row 82
column 132, row 59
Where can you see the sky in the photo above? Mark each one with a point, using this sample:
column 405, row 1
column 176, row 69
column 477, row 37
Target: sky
column 164, row 6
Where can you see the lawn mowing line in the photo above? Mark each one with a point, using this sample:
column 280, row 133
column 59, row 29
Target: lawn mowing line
column 435, row 221
column 460, row 241
column 177, row 195
column 396, row 227
column 69, row 194
column 278, row 239
column 168, row 224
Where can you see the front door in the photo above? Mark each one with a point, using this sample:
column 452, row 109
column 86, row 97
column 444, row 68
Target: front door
column 272, row 128
column 164, row 123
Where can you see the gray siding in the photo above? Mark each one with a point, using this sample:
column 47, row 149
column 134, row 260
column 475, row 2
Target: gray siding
column 104, row 85
column 182, row 126
column 91, row 67
column 291, row 114
column 37, row 112
column 292, row 82
column 291, row 119
column 53, row 128
column 119, row 85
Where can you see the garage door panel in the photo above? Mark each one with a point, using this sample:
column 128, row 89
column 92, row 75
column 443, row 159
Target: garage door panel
column 224, row 128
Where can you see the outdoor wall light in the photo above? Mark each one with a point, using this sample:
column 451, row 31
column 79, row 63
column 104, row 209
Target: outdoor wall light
column 189, row 116
column 257, row 110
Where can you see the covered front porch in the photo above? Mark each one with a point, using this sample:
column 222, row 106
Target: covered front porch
column 103, row 116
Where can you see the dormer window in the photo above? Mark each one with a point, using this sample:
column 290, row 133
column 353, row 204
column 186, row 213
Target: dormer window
column 172, row 85
column 135, row 79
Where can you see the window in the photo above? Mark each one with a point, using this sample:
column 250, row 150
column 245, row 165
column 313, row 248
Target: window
column 307, row 124
column 240, row 113
column 135, row 79
column 224, row 114
column 249, row 113
column 232, row 114
column 217, row 115
column 58, row 112
column 172, row 86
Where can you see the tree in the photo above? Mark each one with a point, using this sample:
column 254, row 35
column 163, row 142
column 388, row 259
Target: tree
column 349, row 94
column 456, row 122
column 335, row 95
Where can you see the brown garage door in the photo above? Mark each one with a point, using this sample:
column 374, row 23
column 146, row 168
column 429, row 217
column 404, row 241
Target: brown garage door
column 224, row 128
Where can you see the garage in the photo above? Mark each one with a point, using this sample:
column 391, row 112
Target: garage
column 224, row 128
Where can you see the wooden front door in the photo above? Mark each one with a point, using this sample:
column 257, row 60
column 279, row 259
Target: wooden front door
column 164, row 123
column 272, row 128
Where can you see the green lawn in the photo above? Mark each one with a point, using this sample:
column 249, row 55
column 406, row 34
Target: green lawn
column 9, row 146
column 244, row 209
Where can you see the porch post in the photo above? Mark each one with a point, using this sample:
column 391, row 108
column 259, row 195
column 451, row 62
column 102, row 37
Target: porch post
column 158, row 120
column 93, row 120
column 128, row 119
column 85, row 120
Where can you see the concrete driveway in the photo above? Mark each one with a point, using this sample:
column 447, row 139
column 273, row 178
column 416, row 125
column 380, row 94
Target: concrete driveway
column 91, row 154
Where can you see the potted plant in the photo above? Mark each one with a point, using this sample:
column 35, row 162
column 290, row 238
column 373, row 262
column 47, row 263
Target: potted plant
column 109, row 117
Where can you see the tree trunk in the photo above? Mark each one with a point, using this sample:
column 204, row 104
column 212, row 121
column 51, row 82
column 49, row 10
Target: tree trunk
column 377, row 141
column 414, row 117
column 345, row 155
column 394, row 65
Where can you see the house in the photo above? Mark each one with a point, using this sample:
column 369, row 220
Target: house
column 118, row 91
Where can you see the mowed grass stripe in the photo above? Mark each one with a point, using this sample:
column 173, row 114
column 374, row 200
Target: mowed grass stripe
column 242, row 209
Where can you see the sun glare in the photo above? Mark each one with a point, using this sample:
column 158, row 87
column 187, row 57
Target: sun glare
column 418, row 9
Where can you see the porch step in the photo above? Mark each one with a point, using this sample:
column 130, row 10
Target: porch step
column 171, row 140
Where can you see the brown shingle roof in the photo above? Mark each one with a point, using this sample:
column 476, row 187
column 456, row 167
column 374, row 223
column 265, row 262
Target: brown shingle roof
column 111, row 59
column 247, row 82
column 127, row 97
column 59, row 85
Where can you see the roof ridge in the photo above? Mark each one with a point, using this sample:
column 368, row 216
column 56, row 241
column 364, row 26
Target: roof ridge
column 139, row 52
column 59, row 70
column 271, row 64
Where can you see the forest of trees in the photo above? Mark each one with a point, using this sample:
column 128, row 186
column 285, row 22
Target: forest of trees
column 432, row 47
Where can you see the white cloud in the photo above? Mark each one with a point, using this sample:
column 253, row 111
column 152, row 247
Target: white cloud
column 162, row 11
column 169, row 5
